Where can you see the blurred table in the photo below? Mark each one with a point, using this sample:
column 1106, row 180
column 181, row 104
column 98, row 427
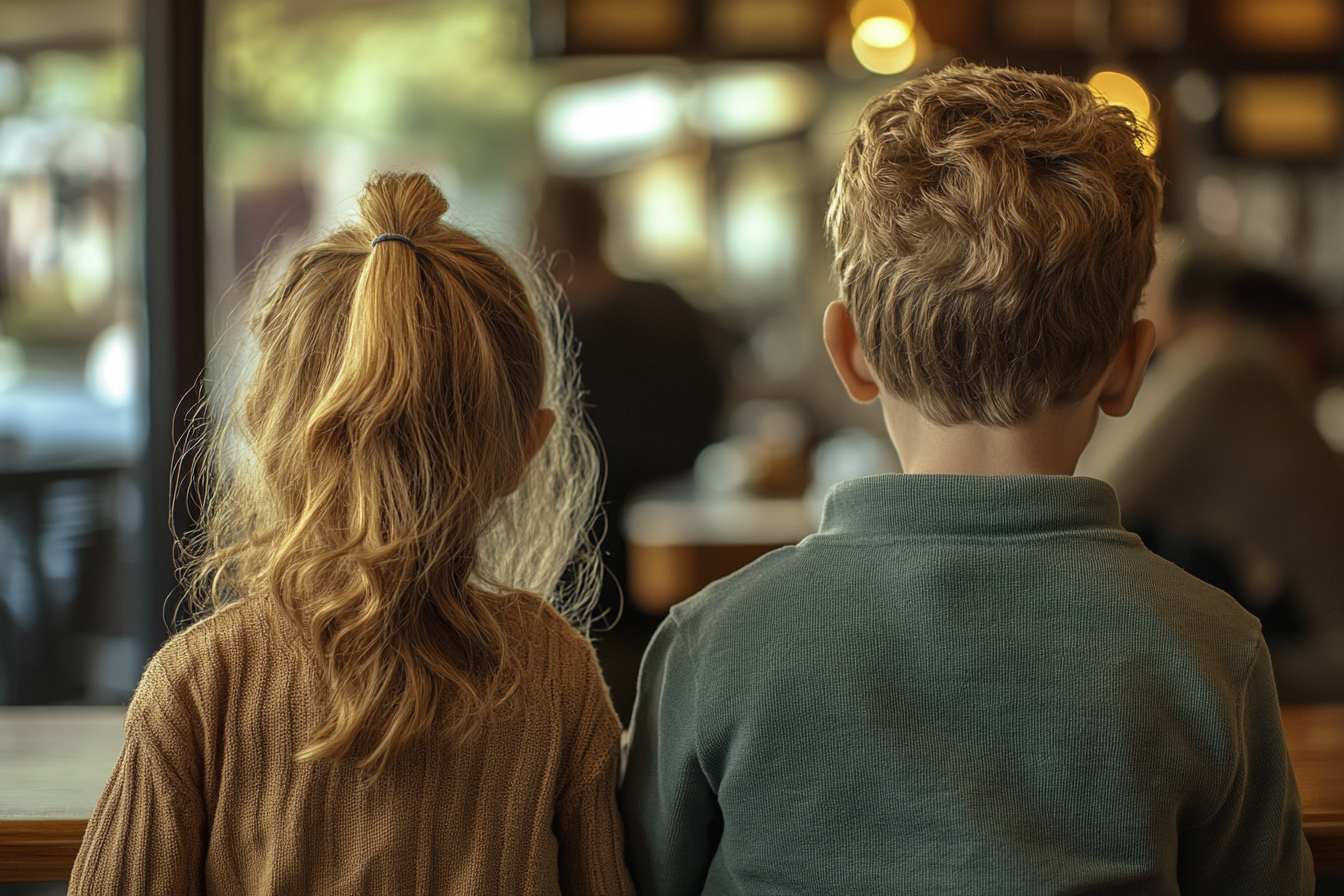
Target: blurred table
column 54, row 761
column 678, row 542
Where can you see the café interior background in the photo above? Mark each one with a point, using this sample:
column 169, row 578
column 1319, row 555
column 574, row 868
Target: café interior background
column 713, row 126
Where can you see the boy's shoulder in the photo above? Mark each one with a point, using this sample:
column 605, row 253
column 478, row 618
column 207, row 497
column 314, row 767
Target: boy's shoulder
column 1087, row 575
column 746, row 591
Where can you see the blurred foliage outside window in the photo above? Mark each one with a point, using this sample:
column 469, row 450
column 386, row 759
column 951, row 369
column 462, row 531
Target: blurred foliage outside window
column 306, row 99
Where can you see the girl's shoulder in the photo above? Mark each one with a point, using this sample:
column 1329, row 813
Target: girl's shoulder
column 216, row 654
column 535, row 626
column 531, row 615
column 560, row 674
column 241, row 628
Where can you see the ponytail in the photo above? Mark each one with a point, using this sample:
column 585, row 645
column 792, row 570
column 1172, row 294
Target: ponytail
column 388, row 422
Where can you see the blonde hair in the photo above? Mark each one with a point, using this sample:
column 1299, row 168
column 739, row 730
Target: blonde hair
column 993, row 230
column 371, row 482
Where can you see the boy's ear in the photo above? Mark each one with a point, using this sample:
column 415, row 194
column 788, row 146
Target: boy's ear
column 842, row 344
column 1122, row 379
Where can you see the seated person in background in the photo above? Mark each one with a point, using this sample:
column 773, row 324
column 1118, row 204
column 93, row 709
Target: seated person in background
column 380, row 697
column 972, row 679
column 1221, row 469
column 654, row 392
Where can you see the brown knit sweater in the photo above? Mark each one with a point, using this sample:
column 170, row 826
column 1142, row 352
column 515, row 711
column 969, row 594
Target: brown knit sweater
column 208, row 798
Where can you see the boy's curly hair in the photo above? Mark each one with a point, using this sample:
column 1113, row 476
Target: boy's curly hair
column 993, row 231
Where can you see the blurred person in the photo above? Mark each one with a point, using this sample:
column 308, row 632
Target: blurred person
column 1221, row 469
column 380, row 696
column 654, row 392
column 971, row 679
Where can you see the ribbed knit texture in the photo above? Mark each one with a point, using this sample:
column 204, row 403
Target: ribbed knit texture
column 962, row 685
column 207, row 797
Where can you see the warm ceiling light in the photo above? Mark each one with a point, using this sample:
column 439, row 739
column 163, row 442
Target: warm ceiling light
column 1285, row 115
column 899, row 10
column 1121, row 90
column 884, row 60
column 883, row 32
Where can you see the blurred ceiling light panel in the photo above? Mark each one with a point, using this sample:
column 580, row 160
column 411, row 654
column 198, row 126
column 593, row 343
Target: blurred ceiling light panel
column 668, row 214
column 883, row 32
column 1284, row 25
column 1120, row 89
column 1284, row 115
column 597, row 124
column 755, row 102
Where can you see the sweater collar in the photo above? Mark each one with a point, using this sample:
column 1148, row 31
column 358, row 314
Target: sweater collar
column 939, row 504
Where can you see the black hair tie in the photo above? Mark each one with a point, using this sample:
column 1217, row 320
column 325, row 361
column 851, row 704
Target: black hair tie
column 392, row 236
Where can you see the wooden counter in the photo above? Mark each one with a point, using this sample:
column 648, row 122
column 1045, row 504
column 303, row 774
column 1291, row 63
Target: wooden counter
column 1315, row 736
column 54, row 762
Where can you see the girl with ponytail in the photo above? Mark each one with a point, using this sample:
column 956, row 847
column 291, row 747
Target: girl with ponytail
column 376, row 699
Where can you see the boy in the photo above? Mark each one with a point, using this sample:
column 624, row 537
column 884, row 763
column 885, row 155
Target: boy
column 971, row 680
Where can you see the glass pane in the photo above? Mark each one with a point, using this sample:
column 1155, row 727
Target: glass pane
column 72, row 405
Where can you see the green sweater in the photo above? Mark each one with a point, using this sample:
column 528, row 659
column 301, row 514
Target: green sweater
column 962, row 685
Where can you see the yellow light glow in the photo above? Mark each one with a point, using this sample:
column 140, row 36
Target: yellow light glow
column 899, row 10
column 884, row 60
column 883, row 32
column 1121, row 90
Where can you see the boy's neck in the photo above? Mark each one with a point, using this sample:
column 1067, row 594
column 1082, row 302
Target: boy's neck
column 1048, row 443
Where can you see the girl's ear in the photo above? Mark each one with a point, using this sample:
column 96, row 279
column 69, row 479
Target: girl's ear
column 842, row 344
column 1123, row 378
column 542, row 422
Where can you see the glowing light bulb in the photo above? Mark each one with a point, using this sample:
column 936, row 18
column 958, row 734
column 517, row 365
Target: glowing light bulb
column 1120, row 89
column 883, row 32
column 898, row 10
column 885, row 60
column 884, row 38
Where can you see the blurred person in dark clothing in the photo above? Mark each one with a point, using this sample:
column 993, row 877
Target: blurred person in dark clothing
column 1221, row 469
column 655, row 390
